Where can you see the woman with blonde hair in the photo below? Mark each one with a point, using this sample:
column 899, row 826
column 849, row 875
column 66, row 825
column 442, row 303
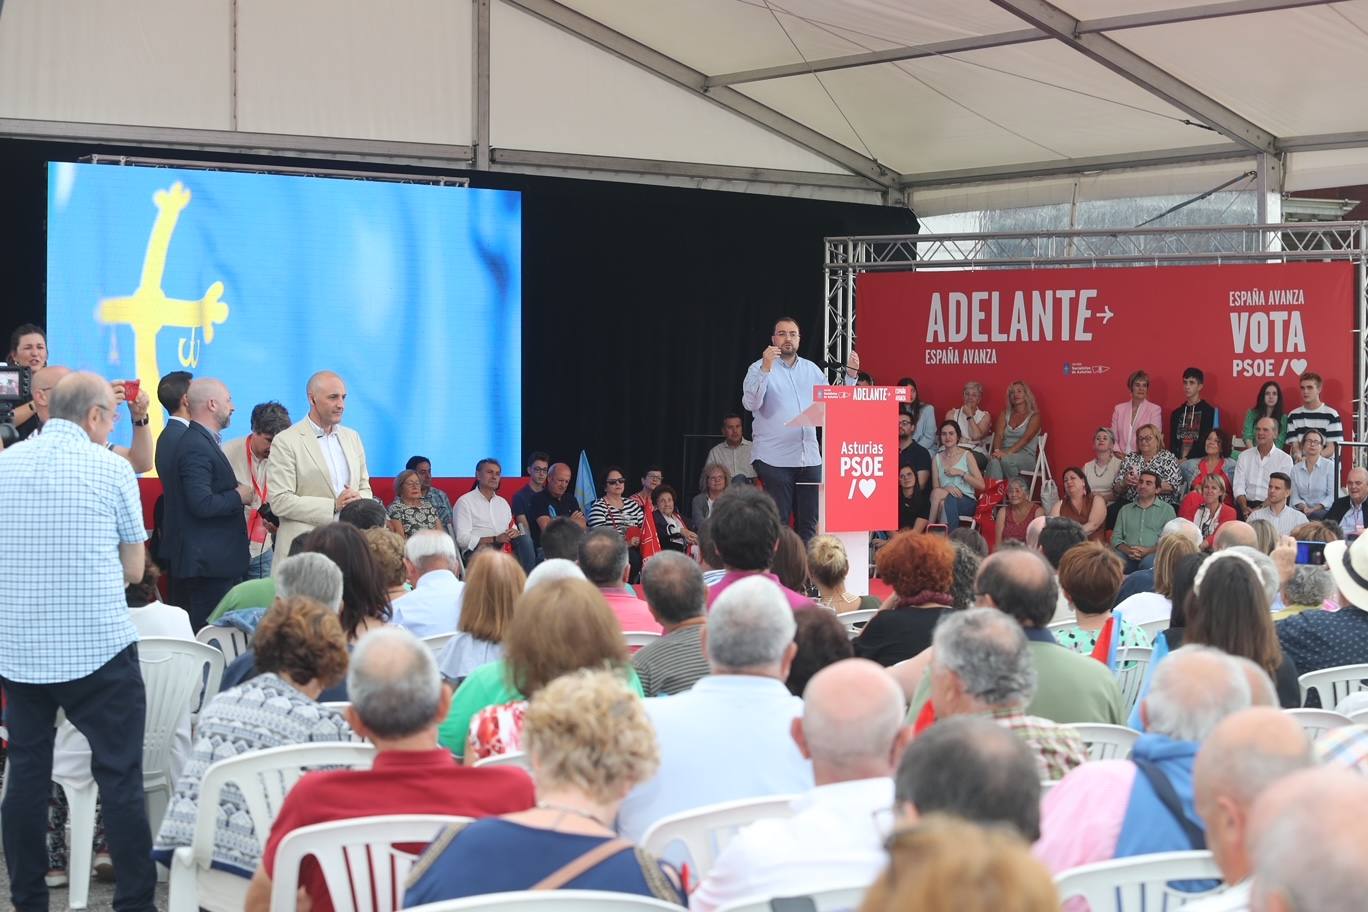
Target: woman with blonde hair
column 557, row 627
column 1149, row 456
column 1017, row 436
column 942, row 864
column 828, row 566
column 589, row 742
column 387, row 547
column 493, row 584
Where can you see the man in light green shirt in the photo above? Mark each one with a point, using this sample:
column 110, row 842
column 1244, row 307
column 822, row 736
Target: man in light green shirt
column 1139, row 524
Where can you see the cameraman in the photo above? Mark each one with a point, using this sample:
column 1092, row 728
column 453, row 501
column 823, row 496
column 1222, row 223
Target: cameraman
column 28, row 348
column 139, row 455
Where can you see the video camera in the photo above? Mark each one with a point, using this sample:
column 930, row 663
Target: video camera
column 16, row 388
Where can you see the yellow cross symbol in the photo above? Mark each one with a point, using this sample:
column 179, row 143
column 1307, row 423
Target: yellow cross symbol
column 148, row 309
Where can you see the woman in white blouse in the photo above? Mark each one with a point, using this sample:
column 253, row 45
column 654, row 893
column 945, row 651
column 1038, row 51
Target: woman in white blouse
column 975, row 424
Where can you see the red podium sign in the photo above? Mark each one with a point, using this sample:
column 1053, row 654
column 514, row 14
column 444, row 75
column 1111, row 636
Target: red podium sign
column 861, row 456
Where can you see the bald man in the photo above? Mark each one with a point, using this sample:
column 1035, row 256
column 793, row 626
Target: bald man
column 1308, row 832
column 139, row 455
column 1346, row 511
column 1245, row 755
column 1235, row 533
column 204, row 504
column 852, row 730
column 317, row 466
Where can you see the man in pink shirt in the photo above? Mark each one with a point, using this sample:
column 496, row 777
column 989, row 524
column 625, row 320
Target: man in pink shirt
column 744, row 527
column 603, row 558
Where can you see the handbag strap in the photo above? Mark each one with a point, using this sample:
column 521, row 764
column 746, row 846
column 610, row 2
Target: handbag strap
column 577, row 866
column 1168, row 796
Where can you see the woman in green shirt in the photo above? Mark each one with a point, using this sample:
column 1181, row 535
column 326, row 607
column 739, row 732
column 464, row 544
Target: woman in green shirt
column 1269, row 404
column 557, row 627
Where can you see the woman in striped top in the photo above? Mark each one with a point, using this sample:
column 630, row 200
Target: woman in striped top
column 623, row 514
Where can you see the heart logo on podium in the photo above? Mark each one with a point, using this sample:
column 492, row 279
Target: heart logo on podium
column 867, row 486
column 1298, row 365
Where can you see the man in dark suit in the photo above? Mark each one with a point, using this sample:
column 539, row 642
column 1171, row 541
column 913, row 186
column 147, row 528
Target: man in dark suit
column 171, row 393
column 204, row 505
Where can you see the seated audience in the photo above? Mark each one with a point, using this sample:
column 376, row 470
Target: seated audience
column 1265, row 535
column 1346, row 746
column 715, row 481
column 1090, row 576
column 482, row 518
column 923, row 415
column 1347, row 511
column 975, row 424
column 301, row 651
column 1314, row 640
column 1276, row 511
column 364, row 513
column 1056, row 537
column 1313, row 479
column 434, row 604
column 1145, row 607
column 914, row 499
column 742, row 709
column 955, row 480
column 982, row 667
column 1215, row 462
column 1143, row 580
column 851, row 729
column 248, row 595
column 1017, row 436
column 1208, row 508
column 387, row 547
column 921, row 570
column 971, row 539
column 973, row 769
column 410, row 511
column 423, row 466
column 745, row 530
column 495, row 582
column 1308, row 834
column 555, row 501
column 1312, row 413
column 1190, row 422
column 1081, row 505
column 560, row 539
column 603, row 558
column 708, row 558
column 1136, row 412
column 397, row 699
column 1016, row 514
column 557, row 627
column 1102, row 470
column 676, row 596
column 822, row 640
column 1149, row 456
column 1235, row 534
column 674, row 533
column 1255, row 465
column 790, row 561
column 734, row 453
column 1069, row 687
column 1244, row 756
column 623, row 514
column 967, row 562
column 828, row 567
column 1109, row 809
column 946, row 865
column 1140, row 523
column 588, row 742
column 1268, row 404
column 552, row 569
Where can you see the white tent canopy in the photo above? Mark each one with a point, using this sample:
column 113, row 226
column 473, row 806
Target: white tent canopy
column 940, row 104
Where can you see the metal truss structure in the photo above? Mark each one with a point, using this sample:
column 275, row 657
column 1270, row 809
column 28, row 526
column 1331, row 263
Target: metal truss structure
column 848, row 257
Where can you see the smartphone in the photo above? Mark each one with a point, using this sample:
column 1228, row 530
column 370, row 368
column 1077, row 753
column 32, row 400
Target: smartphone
column 131, row 388
column 937, row 529
column 1311, row 552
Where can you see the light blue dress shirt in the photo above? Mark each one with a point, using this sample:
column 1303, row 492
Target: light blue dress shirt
column 1314, row 487
column 776, row 398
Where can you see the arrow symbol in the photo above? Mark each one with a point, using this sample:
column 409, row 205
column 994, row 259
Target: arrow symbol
column 1106, row 315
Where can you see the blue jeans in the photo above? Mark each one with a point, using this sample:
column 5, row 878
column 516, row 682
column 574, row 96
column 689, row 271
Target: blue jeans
column 955, row 507
column 526, row 552
column 259, row 567
column 109, row 707
column 1132, row 565
column 792, row 497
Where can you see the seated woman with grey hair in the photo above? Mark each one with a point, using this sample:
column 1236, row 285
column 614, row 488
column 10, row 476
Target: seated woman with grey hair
column 300, row 650
column 589, row 742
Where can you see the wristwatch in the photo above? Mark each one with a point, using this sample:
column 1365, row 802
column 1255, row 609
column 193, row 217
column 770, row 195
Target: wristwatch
column 143, row 422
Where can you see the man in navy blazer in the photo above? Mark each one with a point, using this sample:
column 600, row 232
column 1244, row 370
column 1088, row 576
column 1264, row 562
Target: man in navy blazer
column 171, row 393
column 204, row 505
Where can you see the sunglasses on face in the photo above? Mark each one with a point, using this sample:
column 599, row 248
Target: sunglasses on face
column 616, row 480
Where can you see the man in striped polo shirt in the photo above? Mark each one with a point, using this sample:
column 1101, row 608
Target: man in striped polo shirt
column 1313, row 413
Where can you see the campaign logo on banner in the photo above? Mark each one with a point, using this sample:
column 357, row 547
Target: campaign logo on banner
column 1075, row 336
column 861, row 442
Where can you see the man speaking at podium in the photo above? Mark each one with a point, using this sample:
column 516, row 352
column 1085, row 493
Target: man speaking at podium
column 787, row 459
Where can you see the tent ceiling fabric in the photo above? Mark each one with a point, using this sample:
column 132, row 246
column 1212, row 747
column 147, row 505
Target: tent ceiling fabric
column 663, row 91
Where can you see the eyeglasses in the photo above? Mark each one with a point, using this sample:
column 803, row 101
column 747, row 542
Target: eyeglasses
column 654, row 476
column 537, row 470
column 615, row 481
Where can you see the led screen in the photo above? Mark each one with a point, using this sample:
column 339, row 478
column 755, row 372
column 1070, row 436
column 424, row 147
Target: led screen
column 412, row 293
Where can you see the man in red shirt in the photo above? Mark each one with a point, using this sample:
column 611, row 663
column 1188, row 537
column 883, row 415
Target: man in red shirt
column 397, row 700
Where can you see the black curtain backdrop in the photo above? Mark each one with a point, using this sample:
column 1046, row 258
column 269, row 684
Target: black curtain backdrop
column 642, row 306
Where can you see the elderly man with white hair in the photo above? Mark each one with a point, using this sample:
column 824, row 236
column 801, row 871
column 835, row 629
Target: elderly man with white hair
column 433, row 606
column 1120, row 808
column 981, row 665
column 852, row 730
column 729, row 736
column 1245, row 755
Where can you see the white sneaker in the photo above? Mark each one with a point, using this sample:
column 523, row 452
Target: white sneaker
column 104, row 868
column 56, row 878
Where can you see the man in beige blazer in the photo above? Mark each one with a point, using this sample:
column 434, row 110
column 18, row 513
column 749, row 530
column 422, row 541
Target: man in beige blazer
column 317, row 466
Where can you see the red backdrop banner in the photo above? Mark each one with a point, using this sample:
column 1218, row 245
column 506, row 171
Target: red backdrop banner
column 861, row 452
column 1075, row 335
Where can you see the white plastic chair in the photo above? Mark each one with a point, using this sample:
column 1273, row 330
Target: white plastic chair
column 551, row 901
column 705, row 831
column 1042, row 466
column 1061, row 625
column 1131, row 662
column 174, row 673
column 228, row 640
column 1316, row 722
column 831, row 899
column 263, row 777
column 1106, row 742
column 639, row 638
column 1154, row 628
column 1358, row 718
column 1046, row 785
column 512, row 758
column 358, row 857
column 437, row 641
column 338, row 706
column 855, row 621
column 1139, row 884
column 1334, row 684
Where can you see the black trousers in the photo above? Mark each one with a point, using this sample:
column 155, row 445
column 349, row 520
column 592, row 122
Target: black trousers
column 109, row 707
column 794, row 489
column 200, row 595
